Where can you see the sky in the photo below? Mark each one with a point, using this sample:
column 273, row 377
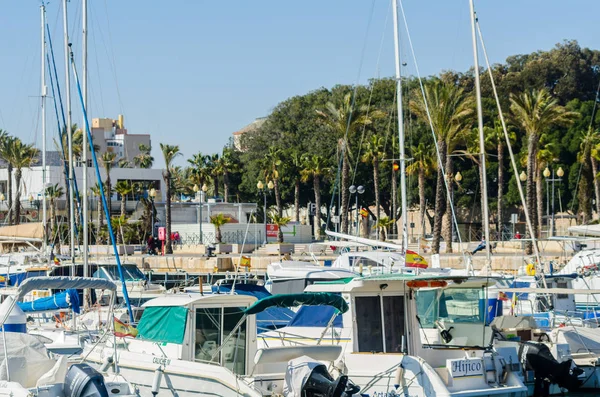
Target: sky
column 193, row 72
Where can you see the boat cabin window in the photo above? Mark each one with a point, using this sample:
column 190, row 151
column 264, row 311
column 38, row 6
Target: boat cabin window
column 111, row 272
column 361, row 260
column 213, row 326
column 377, row 334
column 562, row 284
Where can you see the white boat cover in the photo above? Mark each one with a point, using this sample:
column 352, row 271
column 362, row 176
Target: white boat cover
column 512, row 322
column 580, row 339
column 28, row 359
column 297, row 373
column 34, row 283
column 585, row 230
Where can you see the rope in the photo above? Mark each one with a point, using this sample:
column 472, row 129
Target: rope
column 435, row 141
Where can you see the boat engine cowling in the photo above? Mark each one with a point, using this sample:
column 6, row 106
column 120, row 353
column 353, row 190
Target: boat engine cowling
column 84, row 381
column 306, row 377
column 537, row 357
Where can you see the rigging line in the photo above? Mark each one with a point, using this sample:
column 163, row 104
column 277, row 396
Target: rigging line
column 437, row 150
column 511, row 154
column 96, row 57
column 372, row 88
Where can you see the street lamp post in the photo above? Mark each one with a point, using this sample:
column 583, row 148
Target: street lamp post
column 560, row 173
column 200, row 194
column 152, row 195
column 356, row 191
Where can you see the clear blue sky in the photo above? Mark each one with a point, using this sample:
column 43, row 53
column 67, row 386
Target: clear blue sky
column 193, row 72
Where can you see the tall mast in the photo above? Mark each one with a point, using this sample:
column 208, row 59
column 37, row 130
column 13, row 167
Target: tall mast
column 43, row 92
column 404, row 201
column 84, row 204
column 484, row 196
column 69, row 158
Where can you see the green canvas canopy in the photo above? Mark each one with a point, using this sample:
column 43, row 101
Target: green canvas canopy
column 163, row 324
column 292, row 300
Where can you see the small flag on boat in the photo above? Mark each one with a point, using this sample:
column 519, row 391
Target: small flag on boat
column 56, row 261
column 364, row 213
column 2, row 279
column 502, row 296
column 122, row 330
column 415, row 260
column 245, row 261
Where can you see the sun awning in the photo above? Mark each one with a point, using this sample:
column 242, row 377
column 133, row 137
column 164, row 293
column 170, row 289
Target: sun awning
column 293, row 300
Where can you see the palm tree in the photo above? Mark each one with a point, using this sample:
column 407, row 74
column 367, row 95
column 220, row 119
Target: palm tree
column 108, row 162
column 423, row 164
column 588, row 141
column 228, row 165
column 374, row 152
column 450, row 109
column 219, row 220
column 53, row 193
column 6, row 142
column 345, row 120
column 144, row 159
column 315, row 167
column 99, row 209
column 535, row 112
column 21, row 155
column 123, row 188
column 170, row 152
column 294, row 168
column 215, row 170
column 281, row 222
column 271, row 163
column 383, row 225
column 200, row 168
column 594, row 158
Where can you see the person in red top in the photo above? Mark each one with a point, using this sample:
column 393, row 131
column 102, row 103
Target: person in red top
column 518, row 235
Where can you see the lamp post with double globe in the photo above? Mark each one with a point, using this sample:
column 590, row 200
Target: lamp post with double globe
column 356, row 190
column 261, row 190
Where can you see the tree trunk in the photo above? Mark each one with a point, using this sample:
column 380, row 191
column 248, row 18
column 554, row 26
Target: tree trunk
column 440, row 200
column 500, row 186
column 539, row 199
column 344, row 193
column 216, row 185
column 123, row 208
column 422, row 202
column 52, row 221
column 218, row 236
column 448, row 226
column 16, row 204
column 317, row 219
column 596, row 184
column 108, row 194
column 297, row 200
column 583, row 195
column 531, row 155
column 225, row 186
column 168, row 246
column 279, row 235
column 395, row 202
column 100, row 221
column 9, row 194
column 277, row 197
column 376, row 186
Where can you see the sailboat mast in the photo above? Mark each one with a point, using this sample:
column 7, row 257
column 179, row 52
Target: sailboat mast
column 485, row 211
column 69, row 138
column 43, row 104
column 84, row 204
column 404, row 201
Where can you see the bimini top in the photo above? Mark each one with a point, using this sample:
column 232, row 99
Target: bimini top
column 293, row 300
column 188, row 299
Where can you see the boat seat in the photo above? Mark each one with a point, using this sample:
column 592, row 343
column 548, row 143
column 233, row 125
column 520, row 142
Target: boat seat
column 286, row 353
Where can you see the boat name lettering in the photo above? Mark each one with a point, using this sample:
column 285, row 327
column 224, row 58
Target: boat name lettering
column 161, row 361
column 466, row 367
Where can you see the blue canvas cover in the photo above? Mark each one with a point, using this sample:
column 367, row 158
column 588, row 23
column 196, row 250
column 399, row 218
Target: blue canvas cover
column 271, row 318
column 63, row 300
column 520, row 295
column 316, row 316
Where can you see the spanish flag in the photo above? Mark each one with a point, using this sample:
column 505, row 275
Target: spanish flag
column 122, row 330
column 245, row 261
column 364, row 213
column 415, row 260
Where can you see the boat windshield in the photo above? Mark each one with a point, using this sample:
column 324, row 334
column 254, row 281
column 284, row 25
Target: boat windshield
column 458, row 305
column 130, row 272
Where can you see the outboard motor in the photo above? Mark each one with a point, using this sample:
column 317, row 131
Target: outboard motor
column 84, row 381
column 537, row 357
column 307, row 378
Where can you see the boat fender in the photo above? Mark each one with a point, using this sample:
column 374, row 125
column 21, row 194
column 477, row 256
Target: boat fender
column 156, row 381
column 446, row 335
column 399, row 377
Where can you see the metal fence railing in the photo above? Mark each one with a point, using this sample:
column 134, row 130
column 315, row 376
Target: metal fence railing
column 236, row 237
